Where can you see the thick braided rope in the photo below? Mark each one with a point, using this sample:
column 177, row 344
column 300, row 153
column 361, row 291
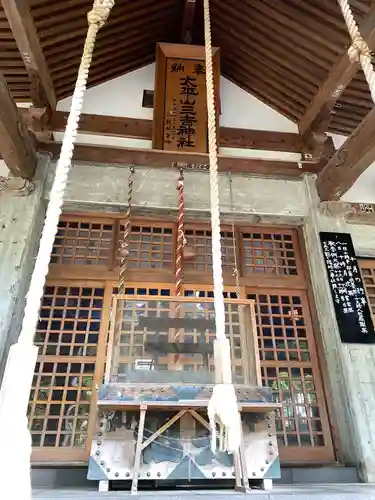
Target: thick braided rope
column 358, row 51
column 214, row 182
column 127, row 228
column 179, row 250
column 223, row 406
column 96, row 19
column 180, row 234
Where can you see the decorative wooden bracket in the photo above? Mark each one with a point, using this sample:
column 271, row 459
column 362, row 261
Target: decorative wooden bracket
column 315, row 138
column 16, row 185
column 337, row 208
column 358, row 213
column 38, row 120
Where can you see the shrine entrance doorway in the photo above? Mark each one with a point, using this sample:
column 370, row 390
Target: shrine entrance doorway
column 76, row 308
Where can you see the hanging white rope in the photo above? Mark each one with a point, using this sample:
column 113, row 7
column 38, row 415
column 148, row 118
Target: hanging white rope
column 358, row 51
column 96, row 19
column 15, row 439
column 223, row 405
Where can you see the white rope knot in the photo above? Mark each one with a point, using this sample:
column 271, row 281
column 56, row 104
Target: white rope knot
column 100, row 12
column 357, row 49
column 223, row 409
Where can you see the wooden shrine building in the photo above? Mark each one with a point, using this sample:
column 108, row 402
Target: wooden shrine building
column 295, row 122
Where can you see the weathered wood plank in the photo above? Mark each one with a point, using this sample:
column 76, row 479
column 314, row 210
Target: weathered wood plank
column 25, row 34
column 188, row 21
column 115, row 126
column 158, row 159
column 16, row 145
column 337, row 80
column 138, row 128
column 349, row 162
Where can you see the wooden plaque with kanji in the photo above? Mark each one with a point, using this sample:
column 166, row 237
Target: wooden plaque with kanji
column 180, row 105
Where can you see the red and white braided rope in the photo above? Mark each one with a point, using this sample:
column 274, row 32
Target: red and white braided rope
column 179, row 250
column 127, row 230
column 180, row 235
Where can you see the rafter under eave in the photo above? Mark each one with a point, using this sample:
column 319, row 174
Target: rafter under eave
column 188, row 21
column 349, row 162
column 25, row 34
column 317, row 115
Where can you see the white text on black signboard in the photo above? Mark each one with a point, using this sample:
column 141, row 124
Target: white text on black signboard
column 348, row 293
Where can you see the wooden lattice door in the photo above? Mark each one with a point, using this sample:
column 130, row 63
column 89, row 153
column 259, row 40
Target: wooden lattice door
column 71, row 339
column 289, row 365
column 71, row 360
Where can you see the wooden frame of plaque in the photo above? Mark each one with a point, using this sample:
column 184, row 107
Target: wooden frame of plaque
column 180, row 103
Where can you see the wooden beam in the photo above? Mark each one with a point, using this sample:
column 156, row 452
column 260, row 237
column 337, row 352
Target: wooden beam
column 318, row 112
column 158, row 159
column 137, row 128
column 16, row 145
column 114, row 126
column 24, row 31
column 188, row 21
column 349, row 162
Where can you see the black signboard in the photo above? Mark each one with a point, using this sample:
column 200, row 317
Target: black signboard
column 348, row 293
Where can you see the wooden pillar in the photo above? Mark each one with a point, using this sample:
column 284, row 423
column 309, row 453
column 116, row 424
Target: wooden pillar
column 21, row 220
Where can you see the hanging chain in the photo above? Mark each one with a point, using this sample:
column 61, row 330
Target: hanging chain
column 358, row 51
column 236, row 274
column 124, row 247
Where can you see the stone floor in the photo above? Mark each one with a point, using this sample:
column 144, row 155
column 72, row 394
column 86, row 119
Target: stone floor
column 315, row 492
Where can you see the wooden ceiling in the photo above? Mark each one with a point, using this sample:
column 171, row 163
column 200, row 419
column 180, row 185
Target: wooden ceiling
column 280, row 51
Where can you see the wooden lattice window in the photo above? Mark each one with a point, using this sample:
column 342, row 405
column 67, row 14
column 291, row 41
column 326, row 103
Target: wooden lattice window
column 62, row 389
column 289, row 368
column 151, row 246
column 368, row 275
column 81, row 242
column 201, row 241
column 273, row 253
